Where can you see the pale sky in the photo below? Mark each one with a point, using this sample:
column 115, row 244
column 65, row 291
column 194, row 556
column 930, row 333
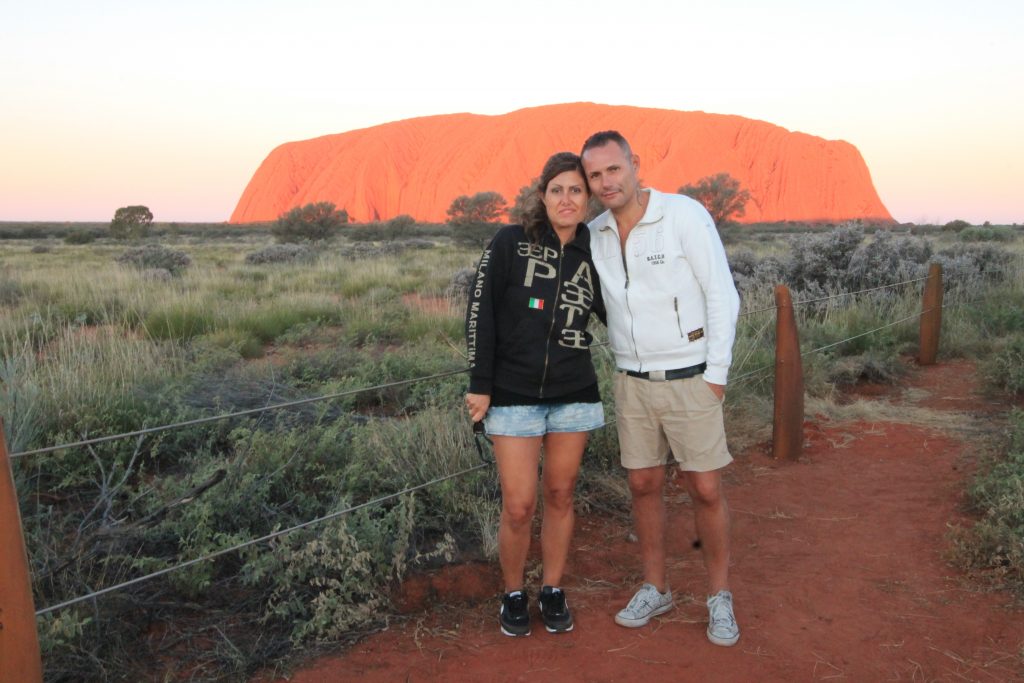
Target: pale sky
column 174, row 105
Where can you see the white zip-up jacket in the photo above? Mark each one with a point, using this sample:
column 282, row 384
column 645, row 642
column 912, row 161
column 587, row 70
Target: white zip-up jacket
column 670, row 298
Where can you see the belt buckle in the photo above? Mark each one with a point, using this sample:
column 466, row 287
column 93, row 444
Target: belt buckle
column 656, row 375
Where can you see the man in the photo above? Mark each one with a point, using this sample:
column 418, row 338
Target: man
column 672, row 310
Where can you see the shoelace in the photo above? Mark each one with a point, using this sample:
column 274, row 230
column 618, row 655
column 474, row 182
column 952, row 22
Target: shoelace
column 639, row 600
column 721, row 612
column 517, row 603
column 555, row 602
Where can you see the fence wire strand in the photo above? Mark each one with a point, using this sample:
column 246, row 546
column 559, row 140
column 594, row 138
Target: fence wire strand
column 860, row 291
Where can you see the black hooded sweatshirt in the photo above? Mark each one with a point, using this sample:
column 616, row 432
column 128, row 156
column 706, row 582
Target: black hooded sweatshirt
column 526, row 323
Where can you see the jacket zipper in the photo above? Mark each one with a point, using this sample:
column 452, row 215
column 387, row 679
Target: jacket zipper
column 632, row 319
column 554, row 316
column 679, row 322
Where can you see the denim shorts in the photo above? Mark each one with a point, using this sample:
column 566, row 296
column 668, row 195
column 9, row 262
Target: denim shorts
column 538, row 420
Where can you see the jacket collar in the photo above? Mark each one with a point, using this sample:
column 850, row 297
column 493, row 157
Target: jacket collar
column 580, row 241
column 654, row 212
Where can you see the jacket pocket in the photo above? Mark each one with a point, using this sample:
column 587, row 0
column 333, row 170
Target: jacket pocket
column 679, row 321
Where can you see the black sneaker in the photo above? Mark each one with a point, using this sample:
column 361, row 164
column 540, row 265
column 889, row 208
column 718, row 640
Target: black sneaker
column 515, row 614
column 554, row 610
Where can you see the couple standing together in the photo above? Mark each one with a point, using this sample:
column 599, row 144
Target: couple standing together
column 652, row 267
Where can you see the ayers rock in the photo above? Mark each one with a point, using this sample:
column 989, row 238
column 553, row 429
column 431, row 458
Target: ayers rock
column 418, row 166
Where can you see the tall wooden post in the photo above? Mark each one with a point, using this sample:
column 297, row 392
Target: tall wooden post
column 788, row 425
column 19, row 643
column 931, row 316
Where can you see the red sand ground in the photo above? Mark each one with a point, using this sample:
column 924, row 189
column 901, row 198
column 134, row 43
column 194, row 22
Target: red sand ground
column 839, row 573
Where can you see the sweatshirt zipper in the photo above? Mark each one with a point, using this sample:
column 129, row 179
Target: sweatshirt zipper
column 632, row 319
column 554, row 316
column 679, row 322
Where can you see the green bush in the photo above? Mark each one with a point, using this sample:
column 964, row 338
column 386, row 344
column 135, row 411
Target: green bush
column 312, row 222
column 987, row 234
column 282, row 253
column 1004, row 368
column 995, row 544
column 956, row 225
column 155, row 257
column 79, row 237
column 474, row 235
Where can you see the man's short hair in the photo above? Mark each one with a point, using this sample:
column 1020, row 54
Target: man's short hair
column 603, row 138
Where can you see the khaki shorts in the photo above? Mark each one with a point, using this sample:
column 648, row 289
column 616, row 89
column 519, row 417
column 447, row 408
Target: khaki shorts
column 682, row 417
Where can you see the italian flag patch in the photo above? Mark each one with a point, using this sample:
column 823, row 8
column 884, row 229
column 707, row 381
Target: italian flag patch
column 537, row 303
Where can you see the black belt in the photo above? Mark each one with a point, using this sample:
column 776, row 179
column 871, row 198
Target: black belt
column 665, row 375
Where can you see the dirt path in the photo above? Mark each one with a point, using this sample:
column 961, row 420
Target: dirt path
column 838, row 574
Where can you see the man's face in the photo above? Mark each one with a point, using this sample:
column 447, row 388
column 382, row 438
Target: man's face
column 612, row 175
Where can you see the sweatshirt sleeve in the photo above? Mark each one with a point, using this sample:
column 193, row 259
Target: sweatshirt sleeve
column 711, row 268
column 481, row 329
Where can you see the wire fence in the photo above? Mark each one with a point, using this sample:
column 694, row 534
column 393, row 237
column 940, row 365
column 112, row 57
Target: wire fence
column 261, row 539
column 411, row 489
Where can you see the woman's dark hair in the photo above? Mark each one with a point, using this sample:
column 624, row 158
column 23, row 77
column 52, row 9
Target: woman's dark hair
column 535, row 220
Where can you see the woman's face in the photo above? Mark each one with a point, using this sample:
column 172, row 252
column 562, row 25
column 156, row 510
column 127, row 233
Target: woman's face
column 566, row 199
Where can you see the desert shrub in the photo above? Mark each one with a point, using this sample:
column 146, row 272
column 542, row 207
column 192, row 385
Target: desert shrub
column 79, row 236
column 995, row 544
column 873, row 365
column 1004, row 367
column 474, row 235
column 956, row 225
column 312, row 222
column 987, row 234
column 155, row 256
column 362, row 250
column 886, row 259
column 289, row 252
column 41, row 249
column 820, row 260
column 461, row 282
column 417, row 243
column 749, row 272
column 966, row 264
column 742, row 262
column 397, row 228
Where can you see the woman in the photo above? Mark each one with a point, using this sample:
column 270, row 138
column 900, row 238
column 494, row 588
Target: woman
column 532, row 380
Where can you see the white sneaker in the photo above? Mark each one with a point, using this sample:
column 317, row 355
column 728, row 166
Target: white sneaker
column 722, row 627
column 647, row 603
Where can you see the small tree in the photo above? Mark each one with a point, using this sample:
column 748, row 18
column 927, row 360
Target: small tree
column 313, row 222
column 483, row 207
column 956, row 225
column 131, row 222
column 721, row 196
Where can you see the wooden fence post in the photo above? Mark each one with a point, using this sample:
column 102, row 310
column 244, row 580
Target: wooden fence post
column 931, row 316
column 788, row 425
column 19, row 642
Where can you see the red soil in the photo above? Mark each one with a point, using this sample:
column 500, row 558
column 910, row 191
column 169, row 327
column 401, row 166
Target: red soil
column 418, row 166
column 839, row 572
